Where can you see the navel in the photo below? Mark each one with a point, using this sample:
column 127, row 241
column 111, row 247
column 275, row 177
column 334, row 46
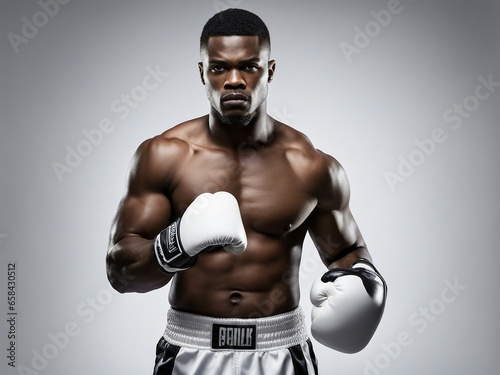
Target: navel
column 235, row 298
column 288, row 227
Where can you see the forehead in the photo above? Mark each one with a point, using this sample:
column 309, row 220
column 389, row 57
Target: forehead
column 236, row 47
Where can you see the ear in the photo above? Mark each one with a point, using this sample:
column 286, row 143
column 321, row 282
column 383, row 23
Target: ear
column 271, row 70
column 202, row 76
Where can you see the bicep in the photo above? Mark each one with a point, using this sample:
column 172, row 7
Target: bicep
column 145, row 210
column 143, row 215
column 332, row 227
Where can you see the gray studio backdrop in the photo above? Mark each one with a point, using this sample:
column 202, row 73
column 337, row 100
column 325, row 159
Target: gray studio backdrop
column 405, row 94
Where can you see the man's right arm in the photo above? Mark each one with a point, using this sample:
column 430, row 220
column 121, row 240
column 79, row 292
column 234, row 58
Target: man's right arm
column 144, row 211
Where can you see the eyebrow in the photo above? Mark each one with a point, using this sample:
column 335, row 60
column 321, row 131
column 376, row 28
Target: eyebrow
column 255, row 59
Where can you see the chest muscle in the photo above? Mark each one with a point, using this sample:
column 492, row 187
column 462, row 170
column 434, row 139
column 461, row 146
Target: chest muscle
column 272, row 198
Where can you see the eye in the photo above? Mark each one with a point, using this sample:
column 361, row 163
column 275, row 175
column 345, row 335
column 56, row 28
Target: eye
column 251, row 68
column 217, row 69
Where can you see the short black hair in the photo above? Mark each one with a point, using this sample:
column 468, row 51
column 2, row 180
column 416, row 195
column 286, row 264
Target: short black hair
column 233, row 21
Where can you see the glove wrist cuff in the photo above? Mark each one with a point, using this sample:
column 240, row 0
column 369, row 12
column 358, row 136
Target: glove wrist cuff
column 364, row 263
column 169, row 252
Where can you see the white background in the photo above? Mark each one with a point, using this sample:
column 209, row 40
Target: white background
column 370, row 107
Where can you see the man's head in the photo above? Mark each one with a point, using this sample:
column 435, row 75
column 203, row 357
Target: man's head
column 232, row 22
column 235, row 67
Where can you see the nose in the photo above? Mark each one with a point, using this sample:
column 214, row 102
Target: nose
column 234, row 79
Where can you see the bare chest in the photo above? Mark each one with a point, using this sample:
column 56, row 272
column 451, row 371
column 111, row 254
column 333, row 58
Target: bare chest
column 273, row 196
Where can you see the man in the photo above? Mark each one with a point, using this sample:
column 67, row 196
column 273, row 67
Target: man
column 219, row 207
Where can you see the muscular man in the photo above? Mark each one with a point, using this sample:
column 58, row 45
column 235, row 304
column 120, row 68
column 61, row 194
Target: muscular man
column 219, row 207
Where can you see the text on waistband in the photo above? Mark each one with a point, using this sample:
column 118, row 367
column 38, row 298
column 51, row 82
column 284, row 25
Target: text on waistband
column 236, row 337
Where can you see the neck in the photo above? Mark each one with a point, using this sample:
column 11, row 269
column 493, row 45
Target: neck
column 259, row 130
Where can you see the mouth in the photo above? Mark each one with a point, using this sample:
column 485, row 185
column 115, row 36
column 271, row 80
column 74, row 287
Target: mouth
column 234, row 99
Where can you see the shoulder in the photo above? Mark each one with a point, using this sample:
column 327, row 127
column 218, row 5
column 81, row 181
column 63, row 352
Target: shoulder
column 190, row 132
column 324, row 175
column 304, row 156
column 157, row 159
column 333, row 186
column 174, row 142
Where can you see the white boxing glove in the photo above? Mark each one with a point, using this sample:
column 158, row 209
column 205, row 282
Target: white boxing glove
column 211, row 221
column 348, row 304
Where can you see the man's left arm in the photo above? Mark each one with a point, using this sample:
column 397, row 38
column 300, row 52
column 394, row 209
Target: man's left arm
column 349, row 299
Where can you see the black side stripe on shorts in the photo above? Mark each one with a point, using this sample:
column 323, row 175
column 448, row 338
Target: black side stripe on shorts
column 313, row 356
column 165, row 358
column 299, row 360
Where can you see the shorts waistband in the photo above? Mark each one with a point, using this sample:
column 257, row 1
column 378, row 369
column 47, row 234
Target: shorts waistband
column 204, row 332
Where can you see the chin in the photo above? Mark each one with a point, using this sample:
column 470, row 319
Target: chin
column 236, row 120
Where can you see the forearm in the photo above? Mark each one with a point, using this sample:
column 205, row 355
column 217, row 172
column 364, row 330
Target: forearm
column 132, row 267
column 349, row 256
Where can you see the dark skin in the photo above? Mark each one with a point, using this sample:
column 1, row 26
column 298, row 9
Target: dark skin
column 285, row 189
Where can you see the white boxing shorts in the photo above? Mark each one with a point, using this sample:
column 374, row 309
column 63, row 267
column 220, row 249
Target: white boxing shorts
column 200, row 345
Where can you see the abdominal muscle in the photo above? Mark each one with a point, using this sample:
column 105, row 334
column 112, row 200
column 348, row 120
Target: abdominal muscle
column 263, row 281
